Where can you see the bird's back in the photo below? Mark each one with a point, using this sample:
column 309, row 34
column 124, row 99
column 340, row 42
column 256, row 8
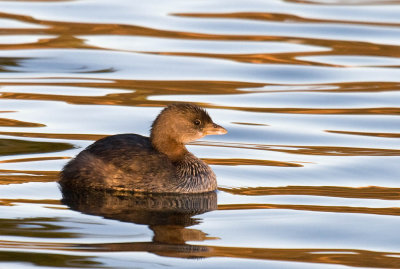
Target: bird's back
column 120, row 162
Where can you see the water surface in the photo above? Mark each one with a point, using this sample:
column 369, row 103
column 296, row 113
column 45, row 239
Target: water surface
column 309, row 91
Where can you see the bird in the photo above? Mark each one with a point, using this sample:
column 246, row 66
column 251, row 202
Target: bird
column 160, row 163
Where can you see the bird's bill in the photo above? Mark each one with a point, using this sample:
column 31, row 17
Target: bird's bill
column 214, row 129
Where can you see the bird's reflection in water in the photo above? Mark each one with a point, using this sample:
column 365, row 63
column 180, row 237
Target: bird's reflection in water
column 167, row 215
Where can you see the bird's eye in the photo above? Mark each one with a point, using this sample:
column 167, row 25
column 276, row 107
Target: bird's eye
column 197, row 122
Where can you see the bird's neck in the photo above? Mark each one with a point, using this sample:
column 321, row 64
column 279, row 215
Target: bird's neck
column 175, row 151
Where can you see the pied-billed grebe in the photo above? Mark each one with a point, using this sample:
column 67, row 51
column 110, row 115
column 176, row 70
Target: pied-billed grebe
column 161, row 163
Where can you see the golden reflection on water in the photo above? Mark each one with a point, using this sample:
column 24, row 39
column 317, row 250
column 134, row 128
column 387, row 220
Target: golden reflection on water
column 278, row 17
column 346, row 257
column 395, row 211
column 91, row 137
column 250, row 162
column 12, row 202
column 333, row 191
column 22, row 160
column 307, row 150
column 67, row 37
column 387, row 135
column 170, row 233
column 15, row 147
column 24, row 176
column 17, row 123
column 138, row 93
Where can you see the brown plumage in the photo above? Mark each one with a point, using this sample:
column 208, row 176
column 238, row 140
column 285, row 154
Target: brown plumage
column 159, row 164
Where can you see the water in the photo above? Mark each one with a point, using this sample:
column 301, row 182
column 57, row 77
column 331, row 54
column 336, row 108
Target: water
column 309, row 91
